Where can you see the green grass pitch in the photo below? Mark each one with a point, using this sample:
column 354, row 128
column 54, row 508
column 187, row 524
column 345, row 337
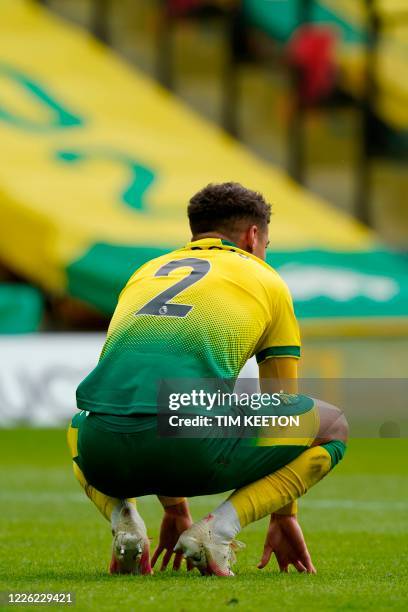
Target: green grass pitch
column 355, row 522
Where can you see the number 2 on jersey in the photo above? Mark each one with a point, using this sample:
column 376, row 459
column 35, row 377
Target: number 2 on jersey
column 160, row 305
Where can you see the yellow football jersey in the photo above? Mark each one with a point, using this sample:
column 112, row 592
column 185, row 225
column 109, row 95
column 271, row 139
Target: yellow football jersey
column 198, row 312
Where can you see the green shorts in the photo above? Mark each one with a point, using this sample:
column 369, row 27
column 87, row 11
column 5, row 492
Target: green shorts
column 138, row 462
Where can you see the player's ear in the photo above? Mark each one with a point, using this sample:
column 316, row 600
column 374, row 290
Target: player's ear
column 252, row 238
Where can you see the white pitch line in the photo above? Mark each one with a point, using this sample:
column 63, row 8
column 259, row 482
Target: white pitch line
column 354, row 504
column 335, row 504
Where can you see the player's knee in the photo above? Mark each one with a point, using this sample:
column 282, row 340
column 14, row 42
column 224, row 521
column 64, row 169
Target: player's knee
column 340, row 428
column 333, row 423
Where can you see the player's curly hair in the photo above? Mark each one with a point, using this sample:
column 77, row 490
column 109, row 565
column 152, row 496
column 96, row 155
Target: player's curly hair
column 220, row 207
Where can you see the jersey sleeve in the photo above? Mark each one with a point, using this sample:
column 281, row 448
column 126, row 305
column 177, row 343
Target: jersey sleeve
column 281, row 337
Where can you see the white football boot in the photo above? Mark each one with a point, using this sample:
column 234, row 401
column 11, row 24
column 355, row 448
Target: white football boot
column 131, row 546
column 210, row 553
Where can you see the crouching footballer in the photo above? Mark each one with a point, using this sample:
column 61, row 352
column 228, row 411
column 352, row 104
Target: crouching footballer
column 201, row 312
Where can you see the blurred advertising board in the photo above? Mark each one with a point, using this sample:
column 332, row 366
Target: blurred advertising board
column 39, row 374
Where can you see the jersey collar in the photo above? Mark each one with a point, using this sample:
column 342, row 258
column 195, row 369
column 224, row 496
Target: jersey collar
column 222, row 245
column 211, row 243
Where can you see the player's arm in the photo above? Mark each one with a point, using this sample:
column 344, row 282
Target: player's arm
column 278, row 373
column 277, row 355
column 176, row 519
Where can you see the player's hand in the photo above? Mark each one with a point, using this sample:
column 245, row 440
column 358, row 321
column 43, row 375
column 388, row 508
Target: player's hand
column 285, row 539
column 176, row 519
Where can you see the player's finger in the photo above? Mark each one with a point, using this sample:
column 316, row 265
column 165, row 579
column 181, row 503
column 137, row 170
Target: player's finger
column 299, row 566
column 306, row 561
column 266, row 555
column 156, row 555
column 283, row 563
column 178, row 557
column 166, row 559
column 310, row 568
